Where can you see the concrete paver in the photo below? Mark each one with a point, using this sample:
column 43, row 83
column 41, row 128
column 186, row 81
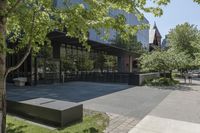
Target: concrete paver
column 126, row 105
column 180, row 105
column 120, row 124
column 119, row 99
column 134, row 102
column 179, row 112
column 154, row 124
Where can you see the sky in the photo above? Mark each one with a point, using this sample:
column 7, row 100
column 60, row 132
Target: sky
column 176, row 12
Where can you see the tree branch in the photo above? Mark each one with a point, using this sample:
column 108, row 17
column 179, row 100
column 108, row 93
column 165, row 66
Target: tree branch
column 14, row 6
column 20, row 62
column 27, row 51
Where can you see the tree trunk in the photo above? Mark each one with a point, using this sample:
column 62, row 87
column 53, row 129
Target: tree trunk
column 2, row 98
column 3, row 6
column 170, row 72
column 3, row 71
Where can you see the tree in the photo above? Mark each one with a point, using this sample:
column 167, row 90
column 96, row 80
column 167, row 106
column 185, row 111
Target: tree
column 68, row 64
column 196, row 45
column 99, row 62
column 85, row 63
column 182, row 38
column 182, row 53
column 28, row 22
column 164, row 61
column 130, row 43
column 105, row 62
column 110, row 62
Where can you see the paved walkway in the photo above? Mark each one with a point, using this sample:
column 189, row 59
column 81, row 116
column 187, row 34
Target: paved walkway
column 118, row 99
column 179, row 112
column 134, row 102
column 120, row 123
column 126, row 105
column 154, row 124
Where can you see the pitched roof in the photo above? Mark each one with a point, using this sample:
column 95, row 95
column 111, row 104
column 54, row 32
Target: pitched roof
column 151, row 35
column 153, row 31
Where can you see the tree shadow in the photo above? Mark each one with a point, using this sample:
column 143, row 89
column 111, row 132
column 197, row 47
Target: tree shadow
column 91, row 130
column 12, row 128
column 179, row 87
column 70, row 91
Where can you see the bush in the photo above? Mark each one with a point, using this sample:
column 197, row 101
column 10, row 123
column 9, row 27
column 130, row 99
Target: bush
column 161, row 82
column 176, row 75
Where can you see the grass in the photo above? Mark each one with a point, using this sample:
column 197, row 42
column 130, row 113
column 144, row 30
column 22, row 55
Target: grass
column 94, row 122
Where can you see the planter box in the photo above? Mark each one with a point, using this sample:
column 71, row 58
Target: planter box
column 138, row 79
column 49, row 111
column 20, row 81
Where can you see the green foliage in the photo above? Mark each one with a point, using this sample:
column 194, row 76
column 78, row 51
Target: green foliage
column 183, row 51
column 105, row 62
column 28, row 22
column 80, row 63
column 161, row 82
column 177, row 75
column 46, row 51
column 68, row 64
column 197, row 1
column 130, row 44
column 164, row 61
column 110, row 62
column 85, row 63
column 183, row 38
column 99, row 62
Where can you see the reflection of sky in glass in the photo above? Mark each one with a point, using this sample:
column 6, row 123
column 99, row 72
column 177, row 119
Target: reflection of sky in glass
column 142, row 36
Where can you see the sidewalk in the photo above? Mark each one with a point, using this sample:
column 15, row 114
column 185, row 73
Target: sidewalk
column 153, row 124
column 120, row 124
column 179, row 112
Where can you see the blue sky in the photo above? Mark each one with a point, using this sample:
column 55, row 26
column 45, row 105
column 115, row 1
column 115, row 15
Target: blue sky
column 176, row 12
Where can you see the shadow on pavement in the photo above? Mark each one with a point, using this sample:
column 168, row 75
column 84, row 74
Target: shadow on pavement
column 72, row 91
column 177, row 87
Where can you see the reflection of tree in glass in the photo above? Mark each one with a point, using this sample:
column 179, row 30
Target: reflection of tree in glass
column 130, row 44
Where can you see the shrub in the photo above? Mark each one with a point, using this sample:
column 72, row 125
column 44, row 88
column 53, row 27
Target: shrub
column 161, row 82
column 176, row 75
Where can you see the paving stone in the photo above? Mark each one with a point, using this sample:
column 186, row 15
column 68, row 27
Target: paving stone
column 120, row 123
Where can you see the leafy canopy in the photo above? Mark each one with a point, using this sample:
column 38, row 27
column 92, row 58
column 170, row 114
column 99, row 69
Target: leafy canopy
column 29, row 21
column 184, row 38
column 183, row 51
column 131, row 44
column 164, row 61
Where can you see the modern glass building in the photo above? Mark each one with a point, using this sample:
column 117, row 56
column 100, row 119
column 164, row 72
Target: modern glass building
column 142, row 35
column 48, row 67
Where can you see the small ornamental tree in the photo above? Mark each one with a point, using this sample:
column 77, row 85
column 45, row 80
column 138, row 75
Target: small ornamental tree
column 85, row 63
column 164, row 61
column 110, row 62
column 99, row 62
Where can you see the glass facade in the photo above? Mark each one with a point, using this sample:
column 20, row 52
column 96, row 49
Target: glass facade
column 142, row 35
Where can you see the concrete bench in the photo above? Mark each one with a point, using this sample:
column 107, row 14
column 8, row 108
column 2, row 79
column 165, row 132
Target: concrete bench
column 49, row 111
column 20, row 81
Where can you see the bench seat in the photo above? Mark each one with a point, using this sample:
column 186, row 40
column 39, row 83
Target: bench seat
column 50, row 111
